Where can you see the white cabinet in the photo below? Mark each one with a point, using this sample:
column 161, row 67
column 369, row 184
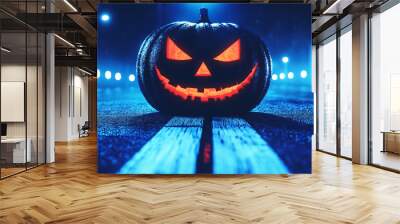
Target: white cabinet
column 16, row 147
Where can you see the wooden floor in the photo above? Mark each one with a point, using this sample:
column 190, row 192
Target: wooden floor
column 386, row 159
column 5, row 172
column 70, row 191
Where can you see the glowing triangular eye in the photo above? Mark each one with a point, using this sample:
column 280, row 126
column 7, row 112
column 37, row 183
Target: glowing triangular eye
column 232, row 53
column 173, row 52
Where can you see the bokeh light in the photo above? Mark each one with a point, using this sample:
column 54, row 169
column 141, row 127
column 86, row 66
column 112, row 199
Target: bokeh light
column 303, row 74
column 290, row 75
column 118, row 76
column 108, row 75
column 105, row 17
column 132, row 77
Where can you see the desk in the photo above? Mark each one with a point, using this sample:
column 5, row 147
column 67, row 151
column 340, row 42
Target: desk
column 391, row 141
column 13, row 150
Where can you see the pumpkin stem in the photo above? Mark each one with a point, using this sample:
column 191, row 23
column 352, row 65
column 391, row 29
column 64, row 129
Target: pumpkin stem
column 204, row 16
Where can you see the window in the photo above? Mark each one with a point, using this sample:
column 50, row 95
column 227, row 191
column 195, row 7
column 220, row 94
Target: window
column 327, row 96
column 385, row 89
column 22, row 77
column 346, row 93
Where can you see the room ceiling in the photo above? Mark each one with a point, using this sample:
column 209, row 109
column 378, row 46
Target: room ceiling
column 76, row 21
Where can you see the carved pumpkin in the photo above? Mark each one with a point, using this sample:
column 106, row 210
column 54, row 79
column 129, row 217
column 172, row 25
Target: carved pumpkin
column 203, row 68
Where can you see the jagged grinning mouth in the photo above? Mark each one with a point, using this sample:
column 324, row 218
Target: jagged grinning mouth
column 208, row 93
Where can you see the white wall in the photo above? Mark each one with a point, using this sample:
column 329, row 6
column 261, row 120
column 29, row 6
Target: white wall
column 16, row 72
column 13, row 73
column 13, row 101
column 71, row 102
column 80, row 103
column 62, row 82
column 33, row 127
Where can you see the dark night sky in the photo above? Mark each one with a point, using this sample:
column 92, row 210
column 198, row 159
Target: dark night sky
column 285, row 29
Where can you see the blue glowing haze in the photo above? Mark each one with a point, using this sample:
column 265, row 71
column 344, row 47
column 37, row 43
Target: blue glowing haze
column 284, row 28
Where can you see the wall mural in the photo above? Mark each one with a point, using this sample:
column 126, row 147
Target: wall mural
column 213, row 88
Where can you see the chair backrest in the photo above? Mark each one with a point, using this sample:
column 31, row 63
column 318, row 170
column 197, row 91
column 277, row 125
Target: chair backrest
column 86, row 125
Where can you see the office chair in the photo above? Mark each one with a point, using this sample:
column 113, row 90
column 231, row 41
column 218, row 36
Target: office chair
column 84, row 130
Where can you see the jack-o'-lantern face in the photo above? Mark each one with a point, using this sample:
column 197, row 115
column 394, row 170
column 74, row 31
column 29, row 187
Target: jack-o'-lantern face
column 203, row 74
column 203, row 68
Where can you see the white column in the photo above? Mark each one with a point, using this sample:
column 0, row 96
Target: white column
column 50, row 99
column 360, row 90
column 50, row 92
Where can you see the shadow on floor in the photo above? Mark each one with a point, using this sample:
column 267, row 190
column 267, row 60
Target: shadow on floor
column 290, row 139
column 115, row 149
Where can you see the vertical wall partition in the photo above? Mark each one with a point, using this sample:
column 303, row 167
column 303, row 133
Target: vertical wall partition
column 22, row 77
column 334, row 100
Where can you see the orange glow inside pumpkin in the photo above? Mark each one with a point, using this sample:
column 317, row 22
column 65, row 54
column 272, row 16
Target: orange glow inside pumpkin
column 193, row 93
column 203, row 71
column 173, row 52
column 230, row 54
